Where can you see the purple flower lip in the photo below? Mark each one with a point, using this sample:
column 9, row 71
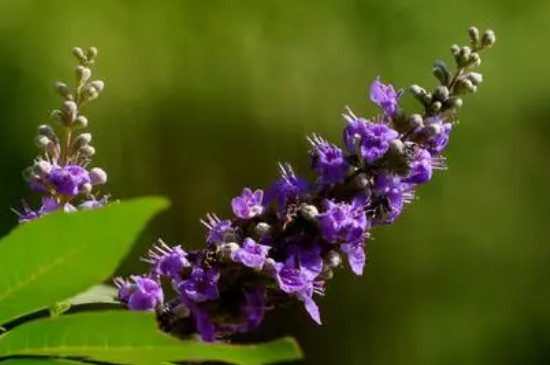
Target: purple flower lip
column 249, row 204
column 328, row 161
column 251, row 254
column 167, row 261
column 385, row 96
column 218, row 229
column 144, row 294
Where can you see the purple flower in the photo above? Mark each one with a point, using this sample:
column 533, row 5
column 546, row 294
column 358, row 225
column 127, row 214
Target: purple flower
column 251, row 254
column 420, row 167
column 288, row 189
column 306, row 296
column 438, row 142
column 204, row 325
column 249, row 204
column 144, row 294
column 295, row 280
column 328, row 161
column 201, row 286
column 395, row 192
column 254, row 307
column 68, row 180
column 371, row 140
column 385, row 96
column 309, row 261
column 217, row 229
column 343, row 222
column 27, row 215
column 356, row 256
column 92, row 203
column 168, row 261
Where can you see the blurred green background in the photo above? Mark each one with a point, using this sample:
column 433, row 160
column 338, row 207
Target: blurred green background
column 204, row 97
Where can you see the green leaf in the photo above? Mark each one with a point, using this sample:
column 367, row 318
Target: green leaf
column 39, row 361
column 125, row 337
column 60, row 255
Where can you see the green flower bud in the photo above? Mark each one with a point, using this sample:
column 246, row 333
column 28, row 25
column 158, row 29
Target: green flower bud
column 436, row 106
column 83, row 74
column 475, row 78
column 79, row 54
column 441, row 93
column 98, row 85
column 82, row 140
column 309, row 212
column 91, row 54
column 70, row 111
column 226, row 249
column 86, row 188
column 81, row 122
column 43, row 142
column 47, row 130
column 42, row 168
column 455, row 50
column 63, row 90
column 86, row 151
column 262, row 228
column 415, row 121
column 28, row 174
column 333, row 259
column 455, row 102
column 488, row 38
column 473, row 33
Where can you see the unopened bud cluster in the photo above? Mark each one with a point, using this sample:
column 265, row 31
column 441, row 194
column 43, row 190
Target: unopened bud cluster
column 60, row 173
column 286, row 243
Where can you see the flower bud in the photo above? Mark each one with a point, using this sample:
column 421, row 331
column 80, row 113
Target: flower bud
column 81, row 122
column 473, row 33
column 98, row 85
column 432, row 130
column 488, row 38
column 415, row 121
column 309, row 212
column 227, row 249
column 63, row 90
column 436, row 106
column 90, row 93
column 82, row 140
column 455, row 50
column 28, row 174
column 333, row 259
column 79, row 54
column 262, row 228
column 270, row 265
column 42, row 167
column 455, row 101
column 86, row 188
column 86, row 151
column 70, row 111
column 91, row 54
column 57, row 116
column 43, row 141
column 475, row 78
column 441, row 72
column 397, row 147
column 97, row 176
column 83, row 74
column 441, row 93
column 47, row 130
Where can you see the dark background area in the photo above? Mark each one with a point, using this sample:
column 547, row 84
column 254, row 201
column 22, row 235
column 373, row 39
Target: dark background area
column 205, row 97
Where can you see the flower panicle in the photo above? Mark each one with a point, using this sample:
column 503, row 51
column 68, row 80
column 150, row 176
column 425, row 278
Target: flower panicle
column 286, row 244
column 61, row 172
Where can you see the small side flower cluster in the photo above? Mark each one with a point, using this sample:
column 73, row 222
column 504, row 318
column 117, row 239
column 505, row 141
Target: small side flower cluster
column 285, row 244
column 60, row 173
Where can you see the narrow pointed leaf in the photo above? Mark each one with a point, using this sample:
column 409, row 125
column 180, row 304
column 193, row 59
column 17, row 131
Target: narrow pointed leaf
column 61, row 255
column 125, row 337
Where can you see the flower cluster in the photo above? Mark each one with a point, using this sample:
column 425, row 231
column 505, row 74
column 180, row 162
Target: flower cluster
column 286, row 243
column 60, row 173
